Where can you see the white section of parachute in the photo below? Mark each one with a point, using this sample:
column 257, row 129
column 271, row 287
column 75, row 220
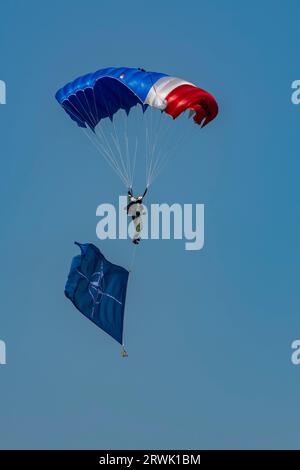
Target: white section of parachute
column 157, row 94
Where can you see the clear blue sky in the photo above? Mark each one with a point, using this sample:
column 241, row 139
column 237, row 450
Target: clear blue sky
column 208, row 332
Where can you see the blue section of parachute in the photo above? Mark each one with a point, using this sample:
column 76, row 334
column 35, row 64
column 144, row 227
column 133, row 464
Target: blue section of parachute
column 97, row 288
column 95, row 96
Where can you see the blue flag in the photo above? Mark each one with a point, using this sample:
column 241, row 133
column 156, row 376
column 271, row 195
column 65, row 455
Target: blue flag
column 97, row 288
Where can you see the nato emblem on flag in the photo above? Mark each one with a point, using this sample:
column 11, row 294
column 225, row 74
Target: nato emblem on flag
column 97, row 288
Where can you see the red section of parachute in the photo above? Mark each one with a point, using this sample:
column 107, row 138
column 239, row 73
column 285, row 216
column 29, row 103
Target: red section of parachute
column 186, row 97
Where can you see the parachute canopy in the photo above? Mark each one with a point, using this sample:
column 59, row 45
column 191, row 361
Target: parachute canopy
column 104, row 105
column 97, row 288
column 99, row 95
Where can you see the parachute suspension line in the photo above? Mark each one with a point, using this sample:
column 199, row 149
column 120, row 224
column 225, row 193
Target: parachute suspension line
column 153, row 153
column 149, row 137
column 147, row 154
column 106, row 144
column 104, row 153
column 115, row 147
column 127, row 165
column 116, row 141
column 157, row 156
column 155, row 138
column 163, row 161
column 105, row 149
column 129, row 169
column 134, row 161
column 146, row 122
column 127, row 158
column 72, row 113
column 102, row 140
column 107, row 158
column 103, row 146
column 133, row 256
column 89, row 117
column 78, row 113
column 90, row 112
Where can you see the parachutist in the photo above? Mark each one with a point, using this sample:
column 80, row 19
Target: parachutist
column 135, row 210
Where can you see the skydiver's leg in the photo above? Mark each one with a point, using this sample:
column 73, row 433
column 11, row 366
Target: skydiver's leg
column 138, row 228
